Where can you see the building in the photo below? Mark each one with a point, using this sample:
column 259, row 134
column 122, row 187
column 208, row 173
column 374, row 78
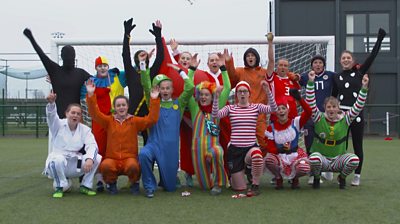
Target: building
column 354, row 23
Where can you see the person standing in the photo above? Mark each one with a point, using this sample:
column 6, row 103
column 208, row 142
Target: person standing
column 347, row 84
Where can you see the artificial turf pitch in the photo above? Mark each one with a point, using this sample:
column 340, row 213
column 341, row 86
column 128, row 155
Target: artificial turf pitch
column 25, row 196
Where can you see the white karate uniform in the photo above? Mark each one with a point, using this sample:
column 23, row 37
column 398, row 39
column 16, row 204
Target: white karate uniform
column 62, row 162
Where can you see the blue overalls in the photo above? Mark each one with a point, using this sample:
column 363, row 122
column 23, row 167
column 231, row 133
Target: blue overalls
column 162, row 147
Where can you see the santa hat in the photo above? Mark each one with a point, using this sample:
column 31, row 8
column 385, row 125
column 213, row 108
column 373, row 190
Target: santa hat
column 282, row 101
column 242, row 83
column 205, row 85
column 100, row 60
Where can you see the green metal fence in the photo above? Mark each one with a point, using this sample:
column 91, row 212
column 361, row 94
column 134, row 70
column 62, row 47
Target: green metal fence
column 17, row 120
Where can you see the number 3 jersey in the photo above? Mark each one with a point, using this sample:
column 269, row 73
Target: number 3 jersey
column 280, row 87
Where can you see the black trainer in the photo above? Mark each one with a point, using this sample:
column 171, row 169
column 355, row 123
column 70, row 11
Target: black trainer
column 342, row 182
column 316, row 183
column 99, row 186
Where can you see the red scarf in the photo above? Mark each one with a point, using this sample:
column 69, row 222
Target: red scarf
column 206, row 109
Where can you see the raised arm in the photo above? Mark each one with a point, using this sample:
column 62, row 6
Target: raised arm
column 174, row 47
column 49, row 65
column 53, row 121
column 93, row 108
column 310, row 97
column 147, row 121
column 271, row 107
column 371, row 57
column 225, row 78
column 188, row 87
column 271, row 57
column 230, row 68
column 215, row 112
column 307, row 112
column 145, row 80
column 360, row 102
column 126, row 51
column 156, row 31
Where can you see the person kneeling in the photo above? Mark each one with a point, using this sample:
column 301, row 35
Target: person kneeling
column 121, row 156
column 72, row 143
column 285, row 159
column 328, row 151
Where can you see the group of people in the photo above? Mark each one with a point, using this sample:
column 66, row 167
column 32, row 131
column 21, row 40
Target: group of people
column 221, row 143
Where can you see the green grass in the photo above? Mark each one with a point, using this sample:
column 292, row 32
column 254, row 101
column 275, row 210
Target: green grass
column 25, row 196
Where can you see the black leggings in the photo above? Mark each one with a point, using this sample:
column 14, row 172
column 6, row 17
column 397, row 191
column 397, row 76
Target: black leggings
column 308, row 135
column 357, row 135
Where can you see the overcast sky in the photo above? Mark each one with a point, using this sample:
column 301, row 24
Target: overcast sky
column 101, row 19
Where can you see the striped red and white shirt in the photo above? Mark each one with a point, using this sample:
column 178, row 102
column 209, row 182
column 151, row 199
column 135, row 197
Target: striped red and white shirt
column 244, row 119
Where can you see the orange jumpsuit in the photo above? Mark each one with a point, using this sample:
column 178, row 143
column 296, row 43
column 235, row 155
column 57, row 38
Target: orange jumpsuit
column 121, row 156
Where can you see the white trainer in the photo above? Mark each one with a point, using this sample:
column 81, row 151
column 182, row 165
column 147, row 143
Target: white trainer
column 310, row 180
column 356, row 180
column 327, row 175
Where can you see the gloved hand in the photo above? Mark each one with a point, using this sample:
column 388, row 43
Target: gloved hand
column 128, row 26
column 381, row 34
column 28, row 33
column 295, row 94
column 115, row 70
column 156, row 31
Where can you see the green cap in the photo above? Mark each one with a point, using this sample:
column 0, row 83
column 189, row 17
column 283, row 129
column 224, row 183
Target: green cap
column 159, row 78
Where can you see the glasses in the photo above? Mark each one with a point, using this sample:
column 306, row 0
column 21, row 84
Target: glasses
column 242, row 91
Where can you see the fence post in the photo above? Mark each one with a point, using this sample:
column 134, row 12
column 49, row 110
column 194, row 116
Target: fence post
column 37, row 121
column 3, row 114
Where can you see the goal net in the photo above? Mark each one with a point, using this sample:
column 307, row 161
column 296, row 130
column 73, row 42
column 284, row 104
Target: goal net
column 297, row 49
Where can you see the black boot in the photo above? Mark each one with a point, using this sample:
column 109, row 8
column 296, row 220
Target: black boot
column 316, row 182
column 342, row 182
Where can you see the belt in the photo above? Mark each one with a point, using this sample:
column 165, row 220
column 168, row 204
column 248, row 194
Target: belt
column 329, row 142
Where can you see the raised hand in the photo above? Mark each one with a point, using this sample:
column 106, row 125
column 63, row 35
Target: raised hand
column 218, row 91
column 28, row 33
column 265, row 86
column 221, row 59
column 129, row 26
column 115, row 70
column 156, row 31
column 194, row 62
column 295, row 94
column 155, row 92
column 270, row 36
column 51, row 98
column 90, row 87
column 173, row 44
column 227, row 56
column 381, row 33
column 365, row 81
column 175, row 67
column 311, row 76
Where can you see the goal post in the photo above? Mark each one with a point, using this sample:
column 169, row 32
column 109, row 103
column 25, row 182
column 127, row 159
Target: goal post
column 297, row 49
